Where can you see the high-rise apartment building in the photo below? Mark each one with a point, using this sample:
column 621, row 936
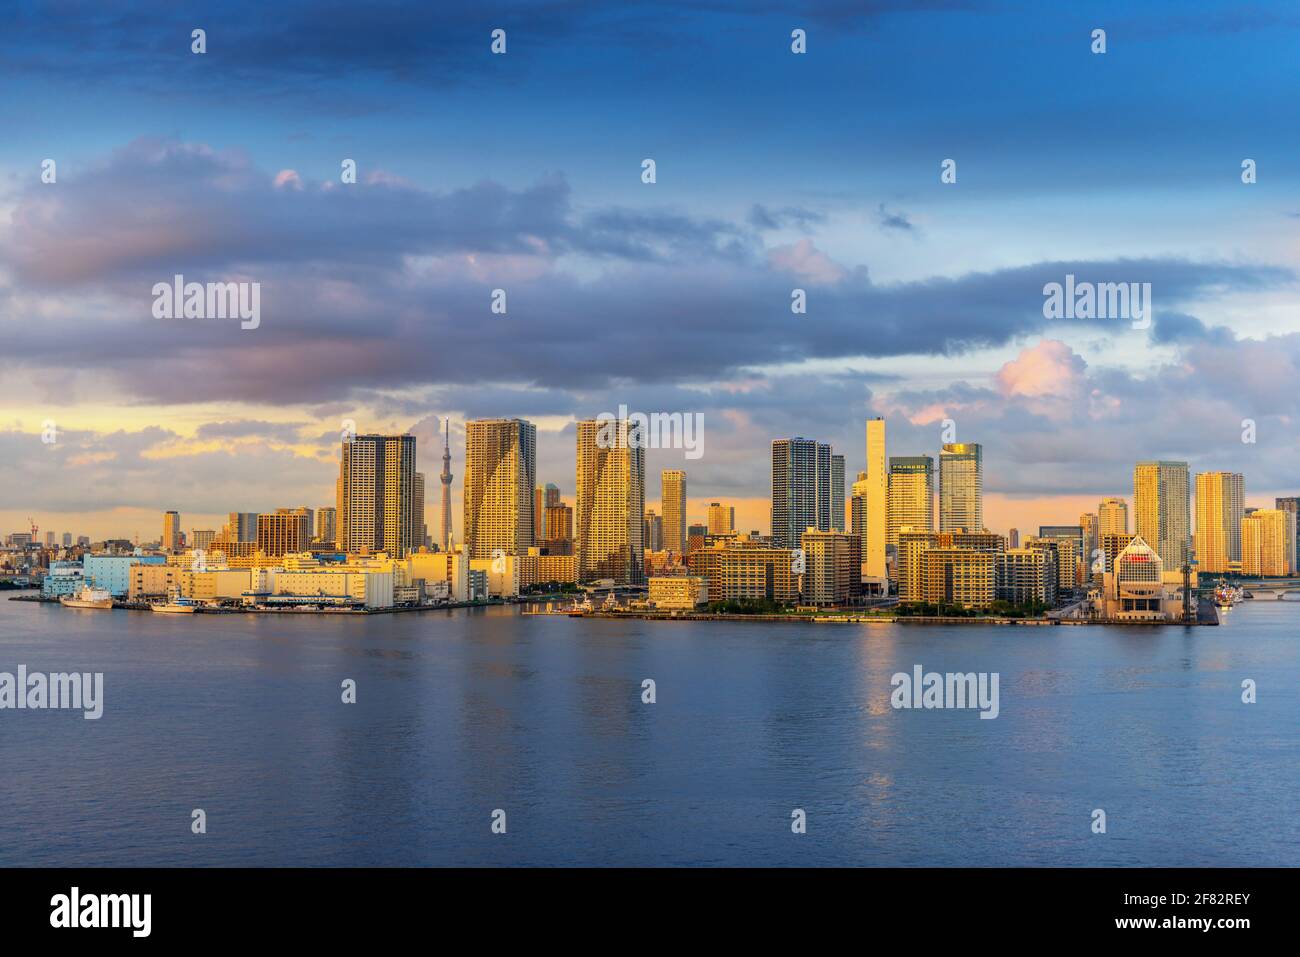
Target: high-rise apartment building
column 910, row 496
column 284, row 531
column 722, row 519
column 1291, row 506
column 673, row 505
column 874, row 565
column 499, row 487
column 1220, row 507
column 376, row 495
column 858, row 511
column 171, row 533
column 1112, row 516
column 1162, row 510
column 961, row 487
column 1091, row 525
column 327, row 525
column 1265, row 546
column 610, row 505
column 421, row 529
column 801, row 489
column 837, row 493
column 654, row 531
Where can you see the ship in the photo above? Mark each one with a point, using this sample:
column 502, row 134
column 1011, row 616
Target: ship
column 176, row 605
column 88, row 598
column 1225, row 596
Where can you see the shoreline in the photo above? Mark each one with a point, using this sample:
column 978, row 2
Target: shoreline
column 1207, row 615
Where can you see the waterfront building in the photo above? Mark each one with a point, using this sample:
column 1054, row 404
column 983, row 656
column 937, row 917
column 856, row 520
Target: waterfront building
column 499, row 487
column 743, row 568
column 1266, row 543
column 832, row 567
column 911, row 495
column 962, row 577
column 1091, row 526
column 112, row 573
column 376, row 495
column 673, row 509
column 1162, row 510
column 1220, row 507
column 1027, row 575
column 961, row 487
column 64, row 578
column 837, row 493
column 1291, row 506
column 678, row 592
column 875, row 568
column 801, row 489
column 610, row 511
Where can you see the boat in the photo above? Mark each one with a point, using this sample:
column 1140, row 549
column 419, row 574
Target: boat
column 88, row 597
column 1225, row 596
column 176, row 605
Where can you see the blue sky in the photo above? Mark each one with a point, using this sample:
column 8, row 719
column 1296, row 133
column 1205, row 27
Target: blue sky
column 522, row 171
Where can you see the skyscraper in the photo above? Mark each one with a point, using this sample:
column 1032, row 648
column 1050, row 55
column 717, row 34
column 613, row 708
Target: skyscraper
column 327, row 525
column 610, row 504
column 1162, row 510
column 171, row 533
column 877, row 517
column 1291, row 506
column 444, row 534
column 1091, row 525
column 1112, row 516
column 801, row 489
column 858, row 512
column 1220, row 507
column 837, row 493
column 961, row 487
column 499, row 486
column 1265, row 547
column 421, row 530
column 911, row 495
column 722, row 519
column 673, row 505
column 654, row 531
column 284, row 531
column 376, row 494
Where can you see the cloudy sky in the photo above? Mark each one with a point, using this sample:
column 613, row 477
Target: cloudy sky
column 522, row 172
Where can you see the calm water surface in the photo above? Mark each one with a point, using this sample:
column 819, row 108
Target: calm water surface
column 463, row 712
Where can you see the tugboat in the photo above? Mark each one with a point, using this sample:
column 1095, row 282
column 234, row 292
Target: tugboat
column 88, row 598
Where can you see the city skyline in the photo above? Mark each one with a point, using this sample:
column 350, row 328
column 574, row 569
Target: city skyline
column 924, row 299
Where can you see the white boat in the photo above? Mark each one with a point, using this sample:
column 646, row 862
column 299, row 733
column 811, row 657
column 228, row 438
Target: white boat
column 176, row 605
column 88, row 598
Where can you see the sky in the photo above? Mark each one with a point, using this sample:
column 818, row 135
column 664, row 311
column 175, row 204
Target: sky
column 522, row 171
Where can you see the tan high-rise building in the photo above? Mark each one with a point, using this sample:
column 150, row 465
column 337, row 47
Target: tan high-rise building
column 722, row 519
column 499, row 487
column 609, row 514
column 327, row 525
column 1220, row 507
column 421, row 529
column 961, row 487
column 1112, row 516
column 1162, row 510
column 1090, row 524
column 1265, row 543
column 911, row 495
column 284, row 531
column 539, row 513
column 673, row 509
column 877, row 489
column 171, row 533
column 376, row 495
